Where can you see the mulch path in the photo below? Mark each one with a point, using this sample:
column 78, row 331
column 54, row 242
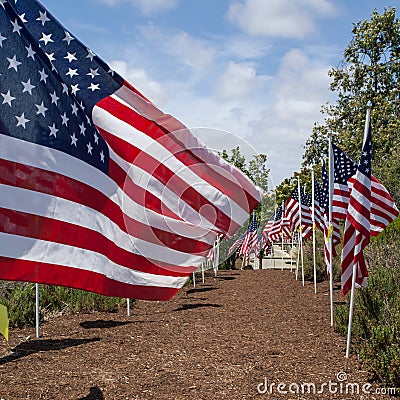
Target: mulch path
column 220, row 340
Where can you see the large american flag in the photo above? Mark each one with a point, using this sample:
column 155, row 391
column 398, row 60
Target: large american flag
column 383, row 209
column 357, row 229
column 100, row 190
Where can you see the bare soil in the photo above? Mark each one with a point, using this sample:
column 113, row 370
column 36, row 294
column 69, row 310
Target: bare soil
column 224, row 339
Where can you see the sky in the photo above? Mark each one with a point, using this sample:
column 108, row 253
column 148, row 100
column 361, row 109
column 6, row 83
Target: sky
column 252, row 73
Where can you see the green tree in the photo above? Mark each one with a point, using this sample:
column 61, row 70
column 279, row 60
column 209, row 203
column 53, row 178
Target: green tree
column 369, row 71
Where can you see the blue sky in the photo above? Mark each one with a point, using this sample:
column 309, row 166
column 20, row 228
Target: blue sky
column 255, row 69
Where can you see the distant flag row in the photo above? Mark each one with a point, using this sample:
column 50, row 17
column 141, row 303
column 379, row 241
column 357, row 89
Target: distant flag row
column 358, row 198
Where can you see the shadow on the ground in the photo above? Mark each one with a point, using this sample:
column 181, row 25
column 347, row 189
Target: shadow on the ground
column 35, row 346
column 202, row 289
column 226, row 278
column 101, row 324
column 94, row 394
column 196, row 305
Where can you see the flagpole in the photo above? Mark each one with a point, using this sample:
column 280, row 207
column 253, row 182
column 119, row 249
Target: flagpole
column 353, row 278
column 330, row 224
column 291, row 255
column 283, row 213
column 37, row 313
column 301, row 231
column 128, row 307
column 298, row 256
column 194, row 279
column 313, row 228
column 202, row 271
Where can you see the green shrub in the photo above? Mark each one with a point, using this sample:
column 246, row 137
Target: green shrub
column 20, row 302
column 376, row 321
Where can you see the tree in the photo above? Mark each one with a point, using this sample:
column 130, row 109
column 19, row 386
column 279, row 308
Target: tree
column 258, row 172
column 369, row 71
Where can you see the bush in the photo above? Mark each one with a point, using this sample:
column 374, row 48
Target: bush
column 20, row 302
column 376, row 321
column 320, row 264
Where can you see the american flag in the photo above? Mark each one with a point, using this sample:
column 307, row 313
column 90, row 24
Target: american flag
column 331, row 230
column 267, row 229
column 357, row 228
column 251, row 237
column 292, row 212
column 383, row 209
column 98, row 192
column 318, row 206
column 237, row 244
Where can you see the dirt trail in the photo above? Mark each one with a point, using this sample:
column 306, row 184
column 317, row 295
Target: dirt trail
column 220, row 340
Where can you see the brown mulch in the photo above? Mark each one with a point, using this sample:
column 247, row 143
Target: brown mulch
column 220, row 340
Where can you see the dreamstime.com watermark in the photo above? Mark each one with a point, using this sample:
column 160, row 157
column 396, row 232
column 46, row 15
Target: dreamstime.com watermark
column 340, row 386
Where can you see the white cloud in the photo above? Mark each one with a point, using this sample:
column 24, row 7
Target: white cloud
column 279, row 18
column 238, row 80
column 299, row 89
column 138, row 77
column 148, row 7
column 192, row 52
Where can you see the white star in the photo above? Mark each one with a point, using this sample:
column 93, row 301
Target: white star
column 13, row 63
column 88, row 120
column 65, row 119
column 16, row 27
column 22, row 120
column 53, row 130
column 74, row 88
column 82, row 106
column 102, row 156
column 50, row 57
column 2, row 2
column 111, row 72
column 43, row 76
column 74, row 109
column 7, row 98
column 27, row 86
column 74, row 139
column 72, row 72
column 41, row 109
column 83, row 128
column 30, row 51
column 96, row 138
column 90, row 54
column 70, row 57
column 94, row 87
column 46, row 38
column 54, row 98
column 89, row 148
column 22, row 16
column 68, row 38
column 42, row 18
column 65, row 87
column 93, row 72
column 2, row 38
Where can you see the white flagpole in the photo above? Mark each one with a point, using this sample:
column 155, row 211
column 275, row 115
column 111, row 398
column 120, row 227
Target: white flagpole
column 301, row 231
column 37, row 313
column 298, row 256
column 283, row 213
column 202, row 271
column 128, row 307
column 313, row 228
column 331, row 183
column 216, row 256
column 194, row 279
column 291, row 255
column 353, row 280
